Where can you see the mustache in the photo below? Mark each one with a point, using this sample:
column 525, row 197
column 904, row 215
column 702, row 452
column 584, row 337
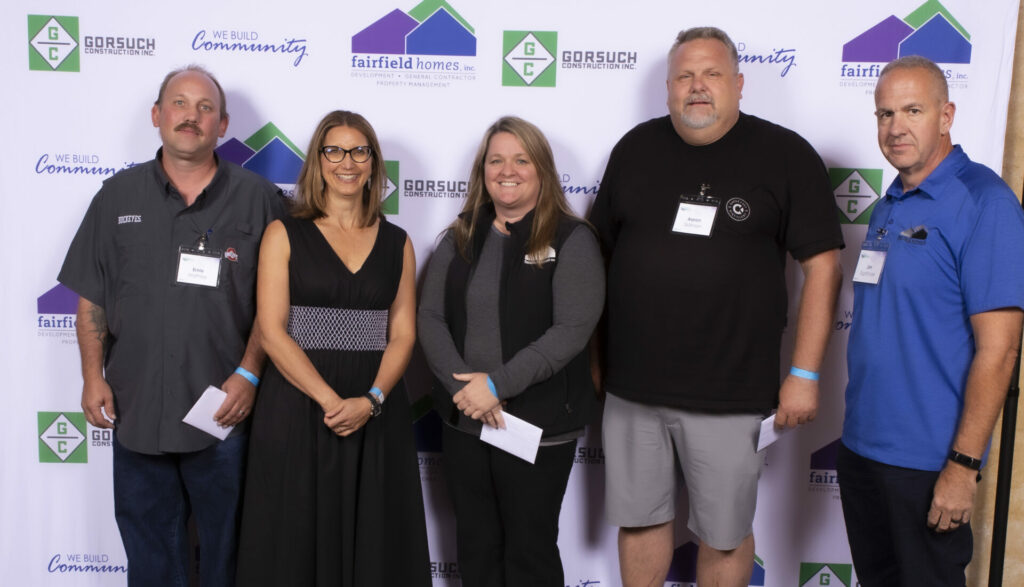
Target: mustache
column 189, row 125
column 699, row 98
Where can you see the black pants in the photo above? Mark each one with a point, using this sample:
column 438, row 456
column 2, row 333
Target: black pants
column 506, row 511
column 886, row 511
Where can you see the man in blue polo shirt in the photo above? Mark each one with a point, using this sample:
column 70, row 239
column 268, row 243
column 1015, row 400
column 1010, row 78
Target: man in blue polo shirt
column 938, row 298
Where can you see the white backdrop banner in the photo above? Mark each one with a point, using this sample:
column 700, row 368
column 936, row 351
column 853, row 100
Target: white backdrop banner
column 430, row 77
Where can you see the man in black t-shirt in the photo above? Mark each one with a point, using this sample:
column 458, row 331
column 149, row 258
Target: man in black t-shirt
column 696, row 213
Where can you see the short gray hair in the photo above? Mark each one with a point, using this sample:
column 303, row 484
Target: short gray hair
column 706, row 32
column 923, row 63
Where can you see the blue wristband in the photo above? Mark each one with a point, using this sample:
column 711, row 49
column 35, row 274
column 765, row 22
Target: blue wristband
column 490, row 385
column 804, row 373
column 249, row 376
column 377, row 392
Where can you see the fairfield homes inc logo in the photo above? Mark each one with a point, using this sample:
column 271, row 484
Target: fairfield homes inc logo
column 856, row 192
column 53, row 43
column 430, row 46
column 529, row 58
column 269, row 153
column 930, row 30
column 62, row 437
column 56, row 314
column 821, row 474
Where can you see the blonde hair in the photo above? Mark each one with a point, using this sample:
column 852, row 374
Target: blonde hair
column 551, row 203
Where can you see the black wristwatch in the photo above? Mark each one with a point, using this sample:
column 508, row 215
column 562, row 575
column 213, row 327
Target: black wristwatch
column 969, row 462
column 375, row 406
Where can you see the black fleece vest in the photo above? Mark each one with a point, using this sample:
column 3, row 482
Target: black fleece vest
column 566, row 400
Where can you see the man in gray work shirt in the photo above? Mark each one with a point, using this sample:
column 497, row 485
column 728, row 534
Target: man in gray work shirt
column 165, row 266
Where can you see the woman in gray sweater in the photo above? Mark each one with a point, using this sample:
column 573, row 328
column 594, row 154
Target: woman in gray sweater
column 510, row 299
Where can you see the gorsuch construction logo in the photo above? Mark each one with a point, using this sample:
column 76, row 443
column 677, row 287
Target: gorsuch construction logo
column 429, row 46
column 529, row 58
column 930, row 31
column 62, row 437
column 856, row 192
column 56, row 44
column 818, row 574
column 53, row 43
column 389, row 205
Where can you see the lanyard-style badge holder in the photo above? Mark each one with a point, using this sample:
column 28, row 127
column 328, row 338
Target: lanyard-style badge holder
column 199, row 264
column 696, row 214
column 872, row 259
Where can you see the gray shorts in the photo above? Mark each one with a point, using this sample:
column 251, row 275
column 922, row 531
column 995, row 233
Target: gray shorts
column 717, row 458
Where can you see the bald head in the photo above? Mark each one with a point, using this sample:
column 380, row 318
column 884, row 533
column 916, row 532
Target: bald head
column 935, row 77
column 200, row 70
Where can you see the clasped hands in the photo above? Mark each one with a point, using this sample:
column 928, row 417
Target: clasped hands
column 476, row 400
column 345, row 416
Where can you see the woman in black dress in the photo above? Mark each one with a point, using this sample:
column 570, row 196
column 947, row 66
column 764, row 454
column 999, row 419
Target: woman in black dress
column 332, row 493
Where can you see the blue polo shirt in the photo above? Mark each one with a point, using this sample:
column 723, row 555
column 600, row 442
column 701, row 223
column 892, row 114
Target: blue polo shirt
column 955, row 248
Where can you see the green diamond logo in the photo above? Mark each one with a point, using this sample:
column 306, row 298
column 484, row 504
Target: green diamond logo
column 830, row 574
column 856, row 192
column 389, row 205
column 529, row 57
column 62, row 437
column 53, row 43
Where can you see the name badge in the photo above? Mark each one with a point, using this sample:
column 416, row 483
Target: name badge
column 196, row 267
column 696, row 215
column 870, row 264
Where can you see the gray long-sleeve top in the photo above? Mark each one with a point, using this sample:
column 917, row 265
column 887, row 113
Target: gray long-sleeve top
column 578, row 285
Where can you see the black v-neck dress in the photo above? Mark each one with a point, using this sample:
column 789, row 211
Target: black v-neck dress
column 322, row 510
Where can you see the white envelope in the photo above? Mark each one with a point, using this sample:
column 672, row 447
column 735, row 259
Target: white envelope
column 519, row 437
column 768, row 433
column 201, row 414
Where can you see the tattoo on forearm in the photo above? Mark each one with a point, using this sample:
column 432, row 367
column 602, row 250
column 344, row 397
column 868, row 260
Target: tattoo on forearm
column 98, row 324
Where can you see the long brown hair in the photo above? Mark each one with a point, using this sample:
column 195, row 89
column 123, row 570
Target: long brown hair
column 551, row 203
column 310, row 187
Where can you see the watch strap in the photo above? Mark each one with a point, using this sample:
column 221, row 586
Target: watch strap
column 375, row 407
column 962, row 459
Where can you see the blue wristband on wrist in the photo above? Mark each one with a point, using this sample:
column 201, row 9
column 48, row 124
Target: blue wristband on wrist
column 249, row 376
column 804, row 373
column 490, row 385
column 377, row 392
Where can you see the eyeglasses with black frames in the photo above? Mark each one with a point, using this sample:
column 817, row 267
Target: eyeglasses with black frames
column 335, row 154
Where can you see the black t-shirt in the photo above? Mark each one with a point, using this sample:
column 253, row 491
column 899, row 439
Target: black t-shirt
column 168, row 341
column 695, row 322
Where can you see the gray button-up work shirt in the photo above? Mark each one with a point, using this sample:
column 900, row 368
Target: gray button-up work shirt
column 169, row 341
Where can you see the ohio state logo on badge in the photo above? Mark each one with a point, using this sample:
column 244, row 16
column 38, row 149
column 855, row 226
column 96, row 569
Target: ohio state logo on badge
column 738, row 209
column 231, row 254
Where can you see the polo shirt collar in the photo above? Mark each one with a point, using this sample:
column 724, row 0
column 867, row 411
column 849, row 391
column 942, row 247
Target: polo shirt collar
column 935, row 185
column 165, row 182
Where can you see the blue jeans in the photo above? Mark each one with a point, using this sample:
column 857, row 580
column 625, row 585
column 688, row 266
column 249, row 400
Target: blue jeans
column 153, row 497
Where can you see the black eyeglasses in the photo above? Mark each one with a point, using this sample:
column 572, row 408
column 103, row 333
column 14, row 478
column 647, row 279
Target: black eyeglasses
column 336, row 154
